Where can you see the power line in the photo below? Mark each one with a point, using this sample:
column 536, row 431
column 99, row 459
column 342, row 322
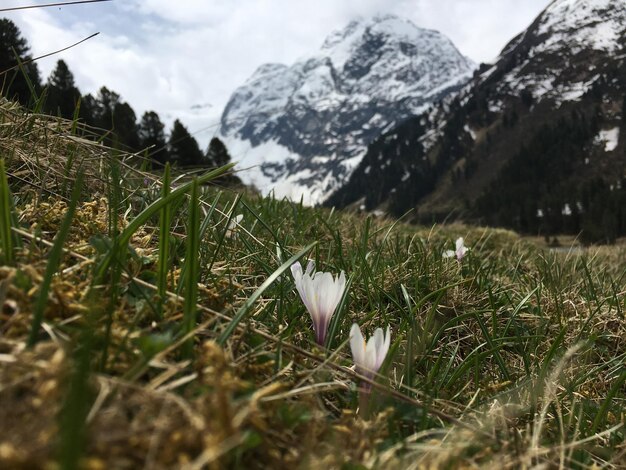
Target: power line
column 48, row 5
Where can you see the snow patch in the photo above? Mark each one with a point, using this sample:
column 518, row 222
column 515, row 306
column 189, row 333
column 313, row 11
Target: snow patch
column 610, row 138
column 265, row 167
column 496, row 106
column 469, row 130
column 577, row 24
column 567, row 210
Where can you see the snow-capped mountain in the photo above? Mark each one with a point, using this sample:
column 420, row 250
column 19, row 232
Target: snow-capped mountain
column 303, row 128
column 536, row 141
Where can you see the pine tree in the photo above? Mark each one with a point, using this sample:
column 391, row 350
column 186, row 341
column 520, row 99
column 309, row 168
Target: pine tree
column 152, row 136
column 88, row 112
column 63, row 95
column 105, row 107
column 183, row 147
column 527, row 97
column 108, row 113
column 13, row 83
column 125, row 126
column 217, row 153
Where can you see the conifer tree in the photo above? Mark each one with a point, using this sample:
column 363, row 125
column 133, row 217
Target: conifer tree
column 217, row 153
column 183, row 148
column 63, row 95
column 13, row 83
column 88, row 110
column 125, row 126
column 105, row 106
column 108, row 113
column 152, row 136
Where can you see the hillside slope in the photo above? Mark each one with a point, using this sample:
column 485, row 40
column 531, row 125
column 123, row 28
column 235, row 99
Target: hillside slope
column 186, row 343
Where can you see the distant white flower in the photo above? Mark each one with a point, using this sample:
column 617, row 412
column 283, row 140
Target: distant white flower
column 368, row 357
column 320, row 293
column 459, row 252
column 231, row 230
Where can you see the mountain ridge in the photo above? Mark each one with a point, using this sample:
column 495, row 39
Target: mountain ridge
column 556, row 82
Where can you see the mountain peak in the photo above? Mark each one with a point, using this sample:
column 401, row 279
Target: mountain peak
column 381, row 30
column 306, row 126
column 358, row 25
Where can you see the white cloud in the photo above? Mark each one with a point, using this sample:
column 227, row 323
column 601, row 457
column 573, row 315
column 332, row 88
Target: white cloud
column 169, row 56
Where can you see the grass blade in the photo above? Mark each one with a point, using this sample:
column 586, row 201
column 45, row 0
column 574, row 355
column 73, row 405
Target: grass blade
column 192, row 262
column 608, row 401
column 6, row 236
column 338, row 316
column 115, row 200
column 73, row 416
column 147, row 213
column 165, row 221
column 241, row 313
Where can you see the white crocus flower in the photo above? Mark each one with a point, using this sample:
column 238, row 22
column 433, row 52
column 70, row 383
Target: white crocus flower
column 231, row 230
column 368, row 357
column 320, row 293
column 459, row 252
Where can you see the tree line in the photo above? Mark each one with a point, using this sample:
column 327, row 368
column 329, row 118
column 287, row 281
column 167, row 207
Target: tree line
column 105, row 113
column 536, row 193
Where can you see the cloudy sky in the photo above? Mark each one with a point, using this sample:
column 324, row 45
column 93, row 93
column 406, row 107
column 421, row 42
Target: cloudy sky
column 184, row 58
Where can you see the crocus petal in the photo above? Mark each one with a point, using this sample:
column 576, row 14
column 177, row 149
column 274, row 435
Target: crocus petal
column 369, row 357
column 369, row 365
column 340, row 288
column 449, row 254
column 459, row 243
column 310, row 298
column 310, row 267
column 325, row 288
column 379, row 339
column 357, row 345
column 296, row 271
column 342, row 281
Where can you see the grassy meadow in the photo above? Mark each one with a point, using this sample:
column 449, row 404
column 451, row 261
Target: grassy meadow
column 142, row 328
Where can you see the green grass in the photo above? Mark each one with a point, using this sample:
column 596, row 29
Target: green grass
column 6, row 202
column 181, row 344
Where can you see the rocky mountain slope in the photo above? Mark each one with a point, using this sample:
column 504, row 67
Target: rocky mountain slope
column 303, row 128
column 535, row 142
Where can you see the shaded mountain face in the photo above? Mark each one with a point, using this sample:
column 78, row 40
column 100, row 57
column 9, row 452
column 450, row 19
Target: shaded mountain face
column 304, row 128
column 535, row 142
